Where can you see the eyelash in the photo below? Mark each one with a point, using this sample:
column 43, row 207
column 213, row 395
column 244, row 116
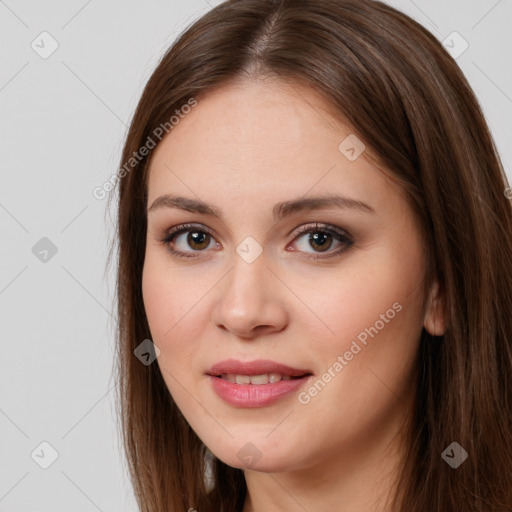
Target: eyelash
column 338, row 234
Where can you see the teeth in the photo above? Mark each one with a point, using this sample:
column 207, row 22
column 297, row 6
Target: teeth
column 274, row 377
column 257, row 380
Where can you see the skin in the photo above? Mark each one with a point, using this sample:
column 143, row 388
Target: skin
column 245, row 147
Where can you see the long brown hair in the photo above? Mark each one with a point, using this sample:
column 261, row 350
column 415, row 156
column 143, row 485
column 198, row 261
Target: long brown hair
column 403, row 95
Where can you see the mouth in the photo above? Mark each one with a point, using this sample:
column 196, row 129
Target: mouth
column 258, row 380
column 257, row 372
column 255, row 383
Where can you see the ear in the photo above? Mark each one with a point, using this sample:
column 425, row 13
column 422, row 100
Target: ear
column 434, row 320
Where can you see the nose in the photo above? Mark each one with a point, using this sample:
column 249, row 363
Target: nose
column 250, row 300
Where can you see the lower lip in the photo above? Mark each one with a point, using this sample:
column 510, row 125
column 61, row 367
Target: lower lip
column 251, row 395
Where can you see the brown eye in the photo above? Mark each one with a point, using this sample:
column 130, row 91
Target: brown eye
column 198, row 240
column 321, row 240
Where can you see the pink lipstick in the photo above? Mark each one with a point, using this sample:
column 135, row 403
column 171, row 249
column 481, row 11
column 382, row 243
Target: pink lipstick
column 255, row 383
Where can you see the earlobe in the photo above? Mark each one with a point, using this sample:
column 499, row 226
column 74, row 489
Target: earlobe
column 434, row 321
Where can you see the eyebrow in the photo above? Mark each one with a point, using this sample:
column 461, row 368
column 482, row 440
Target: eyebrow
column 279, row 211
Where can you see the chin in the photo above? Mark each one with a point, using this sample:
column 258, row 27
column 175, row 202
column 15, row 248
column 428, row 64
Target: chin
column 258, row 454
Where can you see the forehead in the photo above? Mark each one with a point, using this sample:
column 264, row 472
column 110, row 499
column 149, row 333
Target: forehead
column 261, row 138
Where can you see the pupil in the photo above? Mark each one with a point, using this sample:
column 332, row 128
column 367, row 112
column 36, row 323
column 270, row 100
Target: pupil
column 198, row 238
column 320, row 238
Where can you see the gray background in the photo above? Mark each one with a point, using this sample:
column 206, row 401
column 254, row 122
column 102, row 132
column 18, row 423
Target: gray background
column 63, row 119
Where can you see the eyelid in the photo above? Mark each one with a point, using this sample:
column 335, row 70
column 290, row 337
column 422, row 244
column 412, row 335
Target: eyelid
column 179, row 228
column 320, row 226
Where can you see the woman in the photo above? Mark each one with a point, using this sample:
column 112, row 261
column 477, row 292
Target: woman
column 313, row 274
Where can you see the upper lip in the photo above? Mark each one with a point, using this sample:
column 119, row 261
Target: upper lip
column 256, row 367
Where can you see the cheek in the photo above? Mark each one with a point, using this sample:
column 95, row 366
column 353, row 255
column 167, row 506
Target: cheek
column 175, row 313
column 371, row 321
column 166, row 314
column 157, row 297
column 169, row 294
column 375, row 290
column 374, row 308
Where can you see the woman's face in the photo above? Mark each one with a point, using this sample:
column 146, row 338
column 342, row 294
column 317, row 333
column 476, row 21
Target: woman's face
column 340, row 305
